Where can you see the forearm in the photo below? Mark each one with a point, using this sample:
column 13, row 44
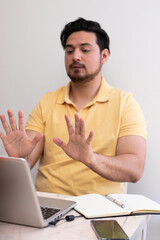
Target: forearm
column 34, row 156
column 121, row 168
column 31, row 161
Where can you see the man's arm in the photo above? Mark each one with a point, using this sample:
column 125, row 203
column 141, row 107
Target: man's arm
column 34, row 156
column 126, row 166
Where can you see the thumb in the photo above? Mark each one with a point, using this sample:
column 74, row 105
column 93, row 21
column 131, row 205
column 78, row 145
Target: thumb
column 37, row 138
column 60, row 143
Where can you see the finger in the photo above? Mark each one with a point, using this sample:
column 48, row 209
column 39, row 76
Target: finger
column 12, row 120
column 5, row 124
column 37, row 138
column 21, row 121
column 69, row 125
column 59, row 143
column 90, row 137
column 82, row 128
column 77, row 124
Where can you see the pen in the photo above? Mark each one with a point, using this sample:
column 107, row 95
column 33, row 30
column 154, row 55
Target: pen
column 115, row 201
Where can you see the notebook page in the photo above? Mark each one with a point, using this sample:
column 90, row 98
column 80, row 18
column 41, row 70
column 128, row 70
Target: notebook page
column 94, row 205
column 135, row 202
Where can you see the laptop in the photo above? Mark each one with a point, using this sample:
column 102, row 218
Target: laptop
column 19, row 202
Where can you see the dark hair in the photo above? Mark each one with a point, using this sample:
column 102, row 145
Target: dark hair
column 89, row 26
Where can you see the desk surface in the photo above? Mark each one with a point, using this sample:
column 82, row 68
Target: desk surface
column 79, row 229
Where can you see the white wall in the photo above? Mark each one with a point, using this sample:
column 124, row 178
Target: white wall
column 32, row 62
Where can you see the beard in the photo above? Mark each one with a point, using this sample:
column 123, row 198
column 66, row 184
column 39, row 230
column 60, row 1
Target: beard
column 77, row 77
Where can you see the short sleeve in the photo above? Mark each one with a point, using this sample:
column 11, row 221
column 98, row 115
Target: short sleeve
column 132, row 119
column 36, row 120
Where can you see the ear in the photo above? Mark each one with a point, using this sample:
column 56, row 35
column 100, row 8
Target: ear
column 105, row 55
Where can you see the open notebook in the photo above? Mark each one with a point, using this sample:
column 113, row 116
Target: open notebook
column 95, row 205
column 18, row 199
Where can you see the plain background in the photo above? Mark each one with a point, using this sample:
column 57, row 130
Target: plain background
column 32, row 63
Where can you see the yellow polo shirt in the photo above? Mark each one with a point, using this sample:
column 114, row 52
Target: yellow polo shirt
column 112, row 114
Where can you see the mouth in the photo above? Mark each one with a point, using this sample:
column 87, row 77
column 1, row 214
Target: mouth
column 76, row 67
column 73, row 65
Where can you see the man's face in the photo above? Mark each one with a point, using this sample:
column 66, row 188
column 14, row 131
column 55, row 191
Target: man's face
column 83, row 59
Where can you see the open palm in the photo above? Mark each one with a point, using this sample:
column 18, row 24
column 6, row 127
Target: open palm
column 79, row 146
column 16, row 142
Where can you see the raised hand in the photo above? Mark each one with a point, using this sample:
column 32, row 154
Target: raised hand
column 16, row 142
column 79, row 146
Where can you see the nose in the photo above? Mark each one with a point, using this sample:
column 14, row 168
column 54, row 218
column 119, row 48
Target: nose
column 77, row 55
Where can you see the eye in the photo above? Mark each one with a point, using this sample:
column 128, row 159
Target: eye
column 85, row 50
column 69, row 51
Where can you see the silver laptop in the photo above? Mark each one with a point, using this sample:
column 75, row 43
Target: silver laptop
column 19, row 202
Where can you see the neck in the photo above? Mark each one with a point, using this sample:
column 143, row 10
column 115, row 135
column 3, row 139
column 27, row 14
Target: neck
column 82, row 93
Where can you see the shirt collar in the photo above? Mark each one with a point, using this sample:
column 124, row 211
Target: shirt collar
column 103, row 94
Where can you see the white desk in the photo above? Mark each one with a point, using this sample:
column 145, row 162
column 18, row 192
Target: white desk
column 79, row 229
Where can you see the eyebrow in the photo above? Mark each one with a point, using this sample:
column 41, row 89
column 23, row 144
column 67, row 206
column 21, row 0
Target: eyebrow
column 82, row 44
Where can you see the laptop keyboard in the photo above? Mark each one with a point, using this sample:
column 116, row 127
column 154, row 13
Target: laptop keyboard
column 48, row 212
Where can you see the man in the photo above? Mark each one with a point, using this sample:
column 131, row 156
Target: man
column 105, row 144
